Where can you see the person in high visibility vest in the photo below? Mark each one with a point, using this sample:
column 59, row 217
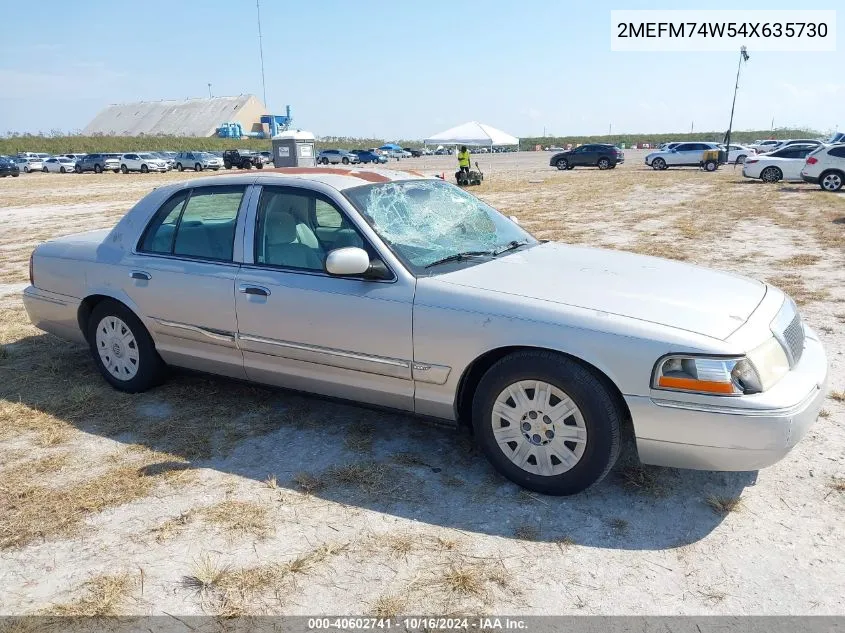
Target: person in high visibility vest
column 463, row 159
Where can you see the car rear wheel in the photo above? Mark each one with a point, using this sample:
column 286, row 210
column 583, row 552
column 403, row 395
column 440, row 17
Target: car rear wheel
column 740, row 160
column 562, row 164
column 325, row 161
column 658, row 163
column 260, row 165
column 771, row 174
column 180, row 168
column 124, row 169
column 831, row 181
column 44, row 169
column 546, row 422
column 123, row 349
column 197, row 167
column 345, row 160
column 77, row 169
column 25, row 169
column 604, row 163
column 144, row 169
column 98, row 169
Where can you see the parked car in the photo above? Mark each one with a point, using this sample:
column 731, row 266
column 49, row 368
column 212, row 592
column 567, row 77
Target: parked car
column 797, row 141
column 165, row 156
column 766, row 145
column 836, row 137
column 8, row 167
column 197, row 161
column 267, row 157
column 738, row 153
column 415, row 153
column 141, row 162
column 335, row 156
column 599, row 155
column 368, row 156
column 98, row 163
column 73, row 157
column 242, row 159
column 682, row 155
column 781, row 164
column 59, row 164
column 825, row 167
column 29, row 164
column 413, row 294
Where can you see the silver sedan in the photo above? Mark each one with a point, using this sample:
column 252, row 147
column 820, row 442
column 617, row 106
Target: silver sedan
column 405, row 292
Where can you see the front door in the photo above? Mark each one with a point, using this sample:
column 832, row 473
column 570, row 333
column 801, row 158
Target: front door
column 301, row 328
column 182, row 278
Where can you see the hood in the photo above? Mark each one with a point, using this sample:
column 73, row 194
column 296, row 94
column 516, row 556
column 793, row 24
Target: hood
column 651, row 289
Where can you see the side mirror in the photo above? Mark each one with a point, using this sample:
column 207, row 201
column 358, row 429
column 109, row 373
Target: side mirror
column 350, row 260
column 514, row 219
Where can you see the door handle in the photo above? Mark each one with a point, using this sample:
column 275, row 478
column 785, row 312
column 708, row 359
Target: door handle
column 141, row 275
column 260, row 291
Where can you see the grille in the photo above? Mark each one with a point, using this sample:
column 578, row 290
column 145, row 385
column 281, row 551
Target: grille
column 793, row 336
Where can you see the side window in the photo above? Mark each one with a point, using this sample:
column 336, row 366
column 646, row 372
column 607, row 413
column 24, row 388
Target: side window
column 158, row 237
column 839, row 152
column 207, row 226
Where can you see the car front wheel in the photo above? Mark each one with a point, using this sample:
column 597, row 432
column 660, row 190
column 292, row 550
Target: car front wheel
column 546, row 422
column 123, row 349
column 562, row 164
column 658, row 163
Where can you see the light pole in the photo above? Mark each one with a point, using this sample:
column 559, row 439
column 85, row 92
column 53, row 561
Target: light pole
column 209, row 91
column 743, row 57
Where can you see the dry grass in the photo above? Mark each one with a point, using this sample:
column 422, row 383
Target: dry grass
column 795, row 286
column 238, row 518
column 308, row 483
column 838, row 396
column 527, row 533
column 724, row 505
column 837, row 484
column 800, row 259
column 172, row 527
column 643, row 479
column 564, row 542
column 620, row 526
column 408, row 459
column 104, row 596
column 824, row 413
column 388, row 606
column 360, row 437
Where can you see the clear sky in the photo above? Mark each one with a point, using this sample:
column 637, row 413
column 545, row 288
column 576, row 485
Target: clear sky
column 401, row 68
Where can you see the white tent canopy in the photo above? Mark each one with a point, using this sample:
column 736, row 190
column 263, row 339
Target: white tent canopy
column 473, row 133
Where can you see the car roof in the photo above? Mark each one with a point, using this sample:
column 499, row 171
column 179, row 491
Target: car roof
column 338, row 179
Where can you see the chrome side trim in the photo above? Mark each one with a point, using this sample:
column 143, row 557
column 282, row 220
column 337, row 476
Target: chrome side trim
column 343, row 359
column 426, row 372
column 57, row 302
column 217, row 335
column 752, row 413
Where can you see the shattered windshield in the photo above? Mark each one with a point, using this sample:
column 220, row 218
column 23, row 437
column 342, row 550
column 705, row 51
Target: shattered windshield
column 425, row 221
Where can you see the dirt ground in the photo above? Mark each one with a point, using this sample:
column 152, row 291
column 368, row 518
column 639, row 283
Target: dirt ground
column 211, row 496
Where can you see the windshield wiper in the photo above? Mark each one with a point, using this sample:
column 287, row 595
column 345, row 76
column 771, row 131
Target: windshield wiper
column 457, row 257
column 510, row 246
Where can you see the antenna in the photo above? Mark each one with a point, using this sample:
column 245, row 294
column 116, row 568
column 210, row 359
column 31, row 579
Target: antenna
column 261, row 51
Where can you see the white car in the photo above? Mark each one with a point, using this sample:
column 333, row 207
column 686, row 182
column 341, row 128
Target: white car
column 29, row 164
column 765, row 146
column 738, row 153
column 142, row 163
column 826, row 167
column 782, row 164
column 682, row 155
column 798, row 141
column 59, row 164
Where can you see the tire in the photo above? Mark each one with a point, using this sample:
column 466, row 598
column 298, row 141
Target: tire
column 831, row 180
column 77, row 169
column 226, row 165
column 740, row 160
column 45, row 170
column 98, row 169
column 62, row 170
column 216, row 168
column 658, row 164
column 345, row 160
column 562, row 164
column 260, row 165
column 144, row 169
column 115, row 170
column 26, row 169
column 591, row 425
column 771, row 174
column 603, row 163
column 124, row 169
column 16, row 175
column 131, row 365
column 711, row 165
column 246, row 165
column 180, row 168
column 325, row 161
column 197, row 167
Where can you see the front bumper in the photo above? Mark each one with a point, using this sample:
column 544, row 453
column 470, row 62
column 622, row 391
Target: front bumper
column 733, row 435
column 813, row 180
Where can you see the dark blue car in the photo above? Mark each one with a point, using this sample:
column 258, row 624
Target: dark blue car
column 366, row 156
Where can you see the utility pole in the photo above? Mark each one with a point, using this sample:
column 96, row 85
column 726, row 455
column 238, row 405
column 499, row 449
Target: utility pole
column 261, row 51
column 743, row 57
column 610, row 129
column 209, row 91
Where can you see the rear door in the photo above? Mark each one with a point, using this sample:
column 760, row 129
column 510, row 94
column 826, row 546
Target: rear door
column 182, row 277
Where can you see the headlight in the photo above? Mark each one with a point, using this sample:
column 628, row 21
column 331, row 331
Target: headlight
column 711, row 376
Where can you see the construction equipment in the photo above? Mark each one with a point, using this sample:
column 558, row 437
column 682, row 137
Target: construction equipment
column 712, row 158
column 469, row 178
